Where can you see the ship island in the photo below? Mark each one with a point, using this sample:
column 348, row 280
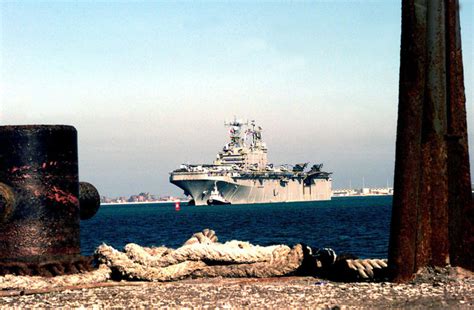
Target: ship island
column 241, row 174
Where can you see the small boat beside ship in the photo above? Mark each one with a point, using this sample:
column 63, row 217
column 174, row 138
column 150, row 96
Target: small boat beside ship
column 216, row 198
column 241, row 174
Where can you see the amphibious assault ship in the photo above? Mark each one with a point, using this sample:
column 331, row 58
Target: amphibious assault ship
column 241, row 174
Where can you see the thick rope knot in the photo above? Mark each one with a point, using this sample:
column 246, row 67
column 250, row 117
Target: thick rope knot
column 201, row 256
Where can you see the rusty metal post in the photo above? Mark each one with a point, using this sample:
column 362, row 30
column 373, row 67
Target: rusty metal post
column 461, row 208
column 433, row 209
column 423, row 211
column 39, row 200
column 402, row 248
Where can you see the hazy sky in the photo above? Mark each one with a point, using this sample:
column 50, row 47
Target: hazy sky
column 148, row 85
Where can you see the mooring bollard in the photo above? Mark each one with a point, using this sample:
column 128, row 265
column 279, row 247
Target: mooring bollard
column 42, row 201
column 432, row 222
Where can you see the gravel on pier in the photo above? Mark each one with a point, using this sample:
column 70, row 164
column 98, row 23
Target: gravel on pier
column 442, row 288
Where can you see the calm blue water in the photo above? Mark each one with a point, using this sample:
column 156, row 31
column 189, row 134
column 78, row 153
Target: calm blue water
column 357, row 225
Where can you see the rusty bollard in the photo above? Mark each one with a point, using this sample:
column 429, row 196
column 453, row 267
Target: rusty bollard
column 42, row 201
column 432, row 214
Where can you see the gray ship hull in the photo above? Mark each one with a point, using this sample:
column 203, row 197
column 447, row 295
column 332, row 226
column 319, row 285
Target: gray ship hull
column 237, row 190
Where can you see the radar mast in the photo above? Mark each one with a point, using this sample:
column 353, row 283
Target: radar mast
column 235, row 131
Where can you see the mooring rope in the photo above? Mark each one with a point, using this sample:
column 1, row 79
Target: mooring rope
column 203, row 256
column 10, row 281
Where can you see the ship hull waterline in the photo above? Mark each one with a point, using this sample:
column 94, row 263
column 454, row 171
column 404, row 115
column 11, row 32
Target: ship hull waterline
column 249, row 191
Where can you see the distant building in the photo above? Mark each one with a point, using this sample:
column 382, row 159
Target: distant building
column 365, row 191
column 141, row 197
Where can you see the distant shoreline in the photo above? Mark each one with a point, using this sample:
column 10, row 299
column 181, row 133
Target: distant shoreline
column 186, row 201
column 366, row 195
column 139, row 202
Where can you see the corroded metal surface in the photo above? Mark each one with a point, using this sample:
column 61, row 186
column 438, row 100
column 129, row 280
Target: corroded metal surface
column 461, row 208
column 7, row 202
column 432, row 210
column 39, row 164
column 48, row 268
column 89, row 200
column 408, row 149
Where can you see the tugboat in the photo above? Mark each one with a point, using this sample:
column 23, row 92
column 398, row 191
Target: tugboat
column 241, row 174
column 216, row 198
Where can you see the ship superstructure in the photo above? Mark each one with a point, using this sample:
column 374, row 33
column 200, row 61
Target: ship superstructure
column 241, row 174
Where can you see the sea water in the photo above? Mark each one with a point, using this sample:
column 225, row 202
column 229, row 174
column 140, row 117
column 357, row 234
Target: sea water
column 356, row 225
